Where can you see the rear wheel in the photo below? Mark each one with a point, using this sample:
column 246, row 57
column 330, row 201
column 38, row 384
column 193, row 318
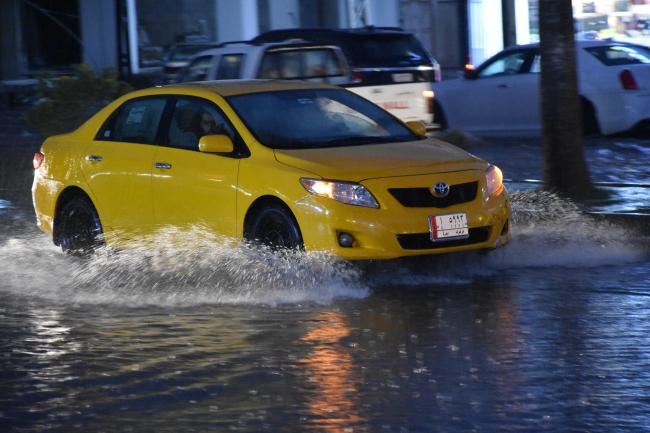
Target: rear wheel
column 80, row 231
column 275, row 227
column 439, row 116
column 589, row 120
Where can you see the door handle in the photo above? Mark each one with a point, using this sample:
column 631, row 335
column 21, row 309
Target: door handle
column 503, row 86
column 93, row 158
column 162, row 165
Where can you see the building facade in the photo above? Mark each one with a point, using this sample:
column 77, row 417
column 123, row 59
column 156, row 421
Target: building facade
column 133, row 35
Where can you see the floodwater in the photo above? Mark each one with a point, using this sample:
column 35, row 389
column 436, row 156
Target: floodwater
column 550, row 333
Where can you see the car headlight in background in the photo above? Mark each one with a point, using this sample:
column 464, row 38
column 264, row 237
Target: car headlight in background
column 494, row 179
column 348, row 193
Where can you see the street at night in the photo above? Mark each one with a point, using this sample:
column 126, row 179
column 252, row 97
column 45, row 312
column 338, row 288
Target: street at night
column 549, row 333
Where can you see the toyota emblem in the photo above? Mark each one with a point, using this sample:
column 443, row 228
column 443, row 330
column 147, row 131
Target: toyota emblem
column 441, row 189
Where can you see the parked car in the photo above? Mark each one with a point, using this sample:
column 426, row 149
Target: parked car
column 286, row 60
column 179, row 55
column 390, row 66
column 289, row 164
column 502, row 95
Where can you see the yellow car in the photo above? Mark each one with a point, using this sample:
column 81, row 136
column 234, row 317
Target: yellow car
column 288, row 164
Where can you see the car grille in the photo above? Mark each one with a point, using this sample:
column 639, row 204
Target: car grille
column 423, row 197
column 422, row 241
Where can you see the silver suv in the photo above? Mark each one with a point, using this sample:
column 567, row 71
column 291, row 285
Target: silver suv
column 390, row 66
column 284, row 60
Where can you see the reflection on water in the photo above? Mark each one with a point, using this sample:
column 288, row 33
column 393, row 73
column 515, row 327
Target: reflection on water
column 330, row 385
column 546, row 334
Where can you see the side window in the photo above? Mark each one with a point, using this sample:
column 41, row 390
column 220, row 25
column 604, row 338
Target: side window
column 269, row 67
column 289, row 64
column 535, row 67
column 193, row 118
column 302, row 63
column 136, row 121
column 197, row 70
column 229, row 66
column 321, row 63
column 509, row 64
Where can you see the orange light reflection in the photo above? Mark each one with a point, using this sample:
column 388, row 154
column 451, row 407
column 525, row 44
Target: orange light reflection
column 330, row 381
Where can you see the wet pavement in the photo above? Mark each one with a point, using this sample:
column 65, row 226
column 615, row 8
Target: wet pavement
column 549, row 334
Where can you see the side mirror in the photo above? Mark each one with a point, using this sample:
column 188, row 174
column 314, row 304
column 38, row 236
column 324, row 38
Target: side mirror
column 417, row 127
column 470, row 73
column 217, row 143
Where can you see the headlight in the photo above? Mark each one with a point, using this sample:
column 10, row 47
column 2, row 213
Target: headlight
column 348, row 193
column 494, row 179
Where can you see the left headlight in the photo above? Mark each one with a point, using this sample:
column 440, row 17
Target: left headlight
column 494, row 179
column 348, row 193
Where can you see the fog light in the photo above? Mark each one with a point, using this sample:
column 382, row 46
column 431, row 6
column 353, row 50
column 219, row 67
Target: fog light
column 346, row 240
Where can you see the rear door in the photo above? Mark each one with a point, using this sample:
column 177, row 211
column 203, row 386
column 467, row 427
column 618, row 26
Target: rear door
column 118, row 165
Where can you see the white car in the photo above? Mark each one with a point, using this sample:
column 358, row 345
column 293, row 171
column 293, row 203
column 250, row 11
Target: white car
column 502, row 95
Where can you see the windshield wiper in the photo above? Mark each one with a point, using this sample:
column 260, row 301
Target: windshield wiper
column 356, row 141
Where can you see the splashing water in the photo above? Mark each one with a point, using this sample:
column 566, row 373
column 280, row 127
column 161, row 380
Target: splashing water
column 549, row 231
column 177, row 267
column 189, row 267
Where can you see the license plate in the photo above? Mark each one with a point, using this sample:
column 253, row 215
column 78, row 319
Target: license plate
column 402, row 78
column 448, row 226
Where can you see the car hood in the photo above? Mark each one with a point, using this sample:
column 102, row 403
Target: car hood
column 358, row 163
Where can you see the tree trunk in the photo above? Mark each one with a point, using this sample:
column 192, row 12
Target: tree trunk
column 565, row 168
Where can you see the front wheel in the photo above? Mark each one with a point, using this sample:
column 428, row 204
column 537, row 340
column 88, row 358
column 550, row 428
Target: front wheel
column 275, row 227
column 80, row 228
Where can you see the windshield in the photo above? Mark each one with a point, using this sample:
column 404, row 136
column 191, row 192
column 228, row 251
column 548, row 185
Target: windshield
column 390, row 50
column 186, row 52
column 314, row 118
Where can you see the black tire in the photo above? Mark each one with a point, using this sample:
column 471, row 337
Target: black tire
column 589, row 120
column 439, row 116
column 80, row 232
column 275, row 227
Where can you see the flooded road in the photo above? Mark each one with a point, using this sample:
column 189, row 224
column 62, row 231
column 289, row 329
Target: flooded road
column 550, row 333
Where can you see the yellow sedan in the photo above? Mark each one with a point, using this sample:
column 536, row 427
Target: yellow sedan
column 287, row 164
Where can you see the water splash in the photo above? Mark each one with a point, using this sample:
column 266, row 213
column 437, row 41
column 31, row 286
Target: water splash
column 549, row 231
column 190, row 267
column 178, row 267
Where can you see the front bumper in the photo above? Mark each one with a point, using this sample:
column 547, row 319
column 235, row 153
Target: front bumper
column 394, row 231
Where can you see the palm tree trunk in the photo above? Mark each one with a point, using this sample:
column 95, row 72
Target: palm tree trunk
column 565, row 168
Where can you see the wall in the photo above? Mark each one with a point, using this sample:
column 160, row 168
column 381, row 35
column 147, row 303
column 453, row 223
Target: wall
column 98, row 20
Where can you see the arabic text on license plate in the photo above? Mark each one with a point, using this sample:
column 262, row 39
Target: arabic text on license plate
column 448, row 226
column 402, row 78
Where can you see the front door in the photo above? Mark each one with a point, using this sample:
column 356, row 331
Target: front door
column 192, row 188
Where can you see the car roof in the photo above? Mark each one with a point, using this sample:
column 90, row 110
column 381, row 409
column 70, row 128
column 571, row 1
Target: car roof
column 334, row 32
column 250, row 46
column 579, row 43
column 240, row 87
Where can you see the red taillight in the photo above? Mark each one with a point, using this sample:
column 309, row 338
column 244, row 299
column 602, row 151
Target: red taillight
column 627, row 80
column 358, row 75
column 38, row 159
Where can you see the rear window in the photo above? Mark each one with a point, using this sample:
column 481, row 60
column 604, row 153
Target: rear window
column 614, row 55
column 387, row 50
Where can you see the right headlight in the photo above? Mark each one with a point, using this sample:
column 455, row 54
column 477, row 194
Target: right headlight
column 348, row 193
column 494, row 179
